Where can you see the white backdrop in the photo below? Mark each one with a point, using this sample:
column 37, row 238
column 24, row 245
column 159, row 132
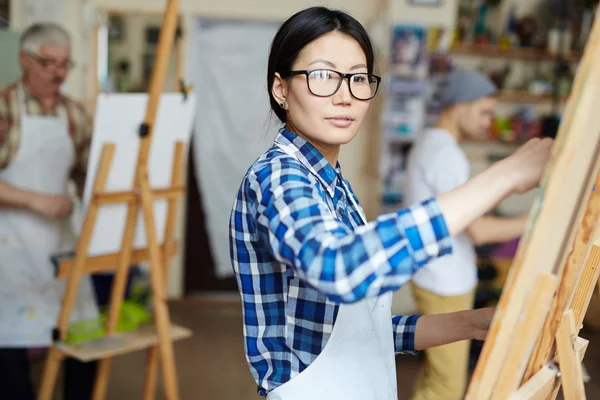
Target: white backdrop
column 228, row 66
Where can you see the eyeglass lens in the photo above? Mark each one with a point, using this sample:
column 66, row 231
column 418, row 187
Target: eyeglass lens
column 53, row 64
column 326, row 83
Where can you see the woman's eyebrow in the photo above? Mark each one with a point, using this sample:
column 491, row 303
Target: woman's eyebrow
column 357, row 66
column 321, row 60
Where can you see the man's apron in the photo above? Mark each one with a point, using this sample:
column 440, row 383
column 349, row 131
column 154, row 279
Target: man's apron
column 29, row 292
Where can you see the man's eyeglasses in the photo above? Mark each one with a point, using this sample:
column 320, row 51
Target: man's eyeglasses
column 326, row 82
column 47, row 63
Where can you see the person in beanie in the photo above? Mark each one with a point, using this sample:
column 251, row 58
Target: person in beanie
column 436, row 165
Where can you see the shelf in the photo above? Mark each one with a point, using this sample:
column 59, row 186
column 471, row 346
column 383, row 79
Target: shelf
column 492, row 51
column 120, row 343
column 526, row 97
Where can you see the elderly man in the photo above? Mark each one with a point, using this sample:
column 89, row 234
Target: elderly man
column 44, row 143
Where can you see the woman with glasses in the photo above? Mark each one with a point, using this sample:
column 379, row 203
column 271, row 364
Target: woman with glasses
column 315, row 277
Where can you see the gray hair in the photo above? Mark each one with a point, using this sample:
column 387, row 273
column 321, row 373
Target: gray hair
column 44, row 33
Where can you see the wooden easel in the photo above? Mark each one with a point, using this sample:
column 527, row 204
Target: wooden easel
column 158, row 340
column 533, row 345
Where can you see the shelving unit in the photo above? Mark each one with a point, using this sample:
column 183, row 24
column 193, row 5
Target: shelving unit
column 522, row 54
column 526, row 97
column 492, row 51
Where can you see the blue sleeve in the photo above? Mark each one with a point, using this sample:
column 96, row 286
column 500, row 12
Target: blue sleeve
column 404, row 333
column 295, row 223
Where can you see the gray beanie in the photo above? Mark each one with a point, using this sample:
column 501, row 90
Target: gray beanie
column 465, row 86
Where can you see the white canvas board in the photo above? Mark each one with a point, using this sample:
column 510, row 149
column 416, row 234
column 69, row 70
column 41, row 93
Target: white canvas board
column 117, row 120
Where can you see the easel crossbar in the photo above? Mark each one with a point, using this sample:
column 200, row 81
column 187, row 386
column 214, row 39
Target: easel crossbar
column 109, row 262
column 173, row 192
column 546, row 380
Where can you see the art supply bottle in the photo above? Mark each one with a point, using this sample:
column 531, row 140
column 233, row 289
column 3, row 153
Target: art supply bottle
column 509, row 38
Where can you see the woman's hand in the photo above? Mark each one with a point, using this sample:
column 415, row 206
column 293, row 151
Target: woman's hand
column 440, row 329
column 481, row 319
column 527, row 165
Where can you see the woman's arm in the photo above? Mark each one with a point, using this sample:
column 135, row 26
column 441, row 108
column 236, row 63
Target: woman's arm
column 517, row 173
column 490, row 229
column 349, row 265
column 439, row 329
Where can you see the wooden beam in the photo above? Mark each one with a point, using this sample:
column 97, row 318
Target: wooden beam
column 171, row 193
column 176, row 179
column 587, row 283
column 540, row 386
column 528, row 330
column 547, row 379
column 575, row 266
column 570, row 364
column 120, row 343
column 109, row 262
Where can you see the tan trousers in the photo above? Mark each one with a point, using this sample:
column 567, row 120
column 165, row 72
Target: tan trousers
column 443, row 376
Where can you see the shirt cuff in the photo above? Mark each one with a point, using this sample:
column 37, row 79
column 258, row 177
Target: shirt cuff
column 425, row 229
column 404, row 334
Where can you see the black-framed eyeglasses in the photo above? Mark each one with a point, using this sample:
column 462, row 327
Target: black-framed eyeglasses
column 326, row 82
column 47, row 63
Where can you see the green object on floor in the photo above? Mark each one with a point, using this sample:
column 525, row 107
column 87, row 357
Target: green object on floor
column 131, row 317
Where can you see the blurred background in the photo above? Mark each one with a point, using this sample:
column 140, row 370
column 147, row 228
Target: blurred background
column 530, row 49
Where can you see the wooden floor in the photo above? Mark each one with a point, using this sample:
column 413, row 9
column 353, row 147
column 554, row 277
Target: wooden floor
column 211, row 364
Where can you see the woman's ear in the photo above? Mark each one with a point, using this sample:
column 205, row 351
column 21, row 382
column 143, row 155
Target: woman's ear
column 280, row 90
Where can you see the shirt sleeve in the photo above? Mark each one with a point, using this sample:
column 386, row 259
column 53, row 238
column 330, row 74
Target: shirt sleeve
column 347, row 265
column 404, row 333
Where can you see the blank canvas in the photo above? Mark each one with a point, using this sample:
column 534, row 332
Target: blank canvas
column 117, row 120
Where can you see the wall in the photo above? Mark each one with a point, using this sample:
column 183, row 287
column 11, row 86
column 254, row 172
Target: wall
column 133, row 47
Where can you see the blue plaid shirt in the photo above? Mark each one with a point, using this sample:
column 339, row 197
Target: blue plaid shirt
column 299, row 248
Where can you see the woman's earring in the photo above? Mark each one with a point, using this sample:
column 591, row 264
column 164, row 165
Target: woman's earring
column 282, row 105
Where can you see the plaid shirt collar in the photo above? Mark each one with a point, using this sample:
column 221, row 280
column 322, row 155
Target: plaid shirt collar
column 311, row 158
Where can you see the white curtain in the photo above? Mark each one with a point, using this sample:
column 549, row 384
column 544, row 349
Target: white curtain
column 228, row 68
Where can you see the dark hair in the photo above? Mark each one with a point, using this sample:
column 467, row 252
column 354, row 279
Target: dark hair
column 303, row 28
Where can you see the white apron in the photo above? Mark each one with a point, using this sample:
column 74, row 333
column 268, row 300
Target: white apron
column 357, row 362
column 30, row 294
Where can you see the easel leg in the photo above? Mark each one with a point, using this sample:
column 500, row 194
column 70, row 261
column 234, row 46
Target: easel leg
column 68, row 303
column 176, row 179
column 76, row 274
column 161, row 310
column 116, row 297
column 151, row 369
column 570, row 364
column 53, row 360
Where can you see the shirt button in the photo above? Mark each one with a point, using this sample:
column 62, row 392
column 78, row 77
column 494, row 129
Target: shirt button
column 341, row 212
